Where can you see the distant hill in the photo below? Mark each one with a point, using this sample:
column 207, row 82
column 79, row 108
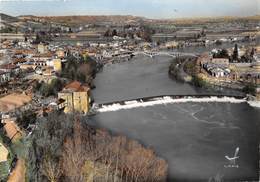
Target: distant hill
column 93, row 19
column 215, row 19
column 121, row 19
column 8, row 18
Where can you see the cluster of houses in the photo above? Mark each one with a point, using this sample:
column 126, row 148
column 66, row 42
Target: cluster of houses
column 43, row 61
column 248, row 72
column 216, row 67
column 39, row 59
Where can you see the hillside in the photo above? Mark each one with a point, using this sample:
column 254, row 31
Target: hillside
column 8, row 18
column 215, row 19
column 123, row 19
column 92, row 19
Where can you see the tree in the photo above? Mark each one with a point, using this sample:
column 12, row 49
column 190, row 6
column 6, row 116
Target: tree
column 83, row 70
column 45, row 145
column 114, row 33
column 51, row 168
column 223, row 53
column 26, row 118
column 48, row 89
column 218, row 42
column 65, row 148
column 235, row 53
column 252, row 53
column 74, row 155
column 107, row 33
column 250, row 89
column 37, row 39
column 198, row 82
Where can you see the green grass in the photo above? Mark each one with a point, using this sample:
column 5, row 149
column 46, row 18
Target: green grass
column 4, row 168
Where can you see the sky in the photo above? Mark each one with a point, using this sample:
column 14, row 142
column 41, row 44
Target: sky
column 146, row 8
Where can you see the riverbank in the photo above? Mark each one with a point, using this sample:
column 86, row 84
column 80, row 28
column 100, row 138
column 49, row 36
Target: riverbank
column 188, row 71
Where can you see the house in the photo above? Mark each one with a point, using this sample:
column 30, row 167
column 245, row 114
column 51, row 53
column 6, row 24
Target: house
column 220, row 61
column 47, row 71
column 74, row 98
column 246, row 72
column 217, row 72
column 3, row 153
column 57, row 66
column 28, row 66
column 60, row 53
column 4, row 76
column 42, row 48
column 171, row 44
column 12, row 68
column 42, row 57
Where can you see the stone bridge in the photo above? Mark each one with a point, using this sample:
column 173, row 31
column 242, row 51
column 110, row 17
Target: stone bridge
column 163, row 53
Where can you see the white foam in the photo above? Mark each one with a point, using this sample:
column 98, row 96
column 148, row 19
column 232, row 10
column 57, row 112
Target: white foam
column 254, row 103
column 167, row 100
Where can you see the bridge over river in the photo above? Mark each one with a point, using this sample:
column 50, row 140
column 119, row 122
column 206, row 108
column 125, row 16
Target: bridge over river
column 163, row 53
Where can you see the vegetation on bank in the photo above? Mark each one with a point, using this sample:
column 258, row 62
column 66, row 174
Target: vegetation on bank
column 82, row 69
column 65, row 148
column 49, row 89
column 189, row 68
column 198, row 82
column 25, row 118
column 5, row 166
column 250, row 89
column 174, row 69
column 15, row 149
column 7, row 30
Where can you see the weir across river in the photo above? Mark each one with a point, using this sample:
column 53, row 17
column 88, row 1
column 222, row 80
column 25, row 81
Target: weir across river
column 152, row 98
column 165, row 99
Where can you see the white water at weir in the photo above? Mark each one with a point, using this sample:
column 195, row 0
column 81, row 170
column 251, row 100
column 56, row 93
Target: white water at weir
column 166, row 100
column 254, row 103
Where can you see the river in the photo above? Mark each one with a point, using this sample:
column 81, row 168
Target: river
column 194, row 138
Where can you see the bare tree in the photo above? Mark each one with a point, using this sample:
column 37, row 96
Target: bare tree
column 75, row 148
column 51, row 169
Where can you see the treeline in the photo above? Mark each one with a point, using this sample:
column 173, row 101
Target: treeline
column 189, row 68
column 144, row 32
column 82, row 69
column 247, row 57
column 65, row 148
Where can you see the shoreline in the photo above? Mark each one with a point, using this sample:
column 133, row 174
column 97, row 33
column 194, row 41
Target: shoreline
column 187, row 78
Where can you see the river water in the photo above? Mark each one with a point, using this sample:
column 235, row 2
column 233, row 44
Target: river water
column 193, row 137
column 142, row 77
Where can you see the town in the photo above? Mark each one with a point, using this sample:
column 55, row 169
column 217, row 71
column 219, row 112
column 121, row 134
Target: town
column 49, row 64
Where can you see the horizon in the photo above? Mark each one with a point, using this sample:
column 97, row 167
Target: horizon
column 168, row 9
column 179, row 18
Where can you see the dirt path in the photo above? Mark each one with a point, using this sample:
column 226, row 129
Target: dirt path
column 18, row 173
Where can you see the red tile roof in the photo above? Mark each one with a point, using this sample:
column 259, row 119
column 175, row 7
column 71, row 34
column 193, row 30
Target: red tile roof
column 8, row 66
column 76, row 86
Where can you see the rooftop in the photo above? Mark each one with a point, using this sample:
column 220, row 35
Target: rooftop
column 13, row 101
column 3, row 153
column 76, row 86
column 8, row 66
